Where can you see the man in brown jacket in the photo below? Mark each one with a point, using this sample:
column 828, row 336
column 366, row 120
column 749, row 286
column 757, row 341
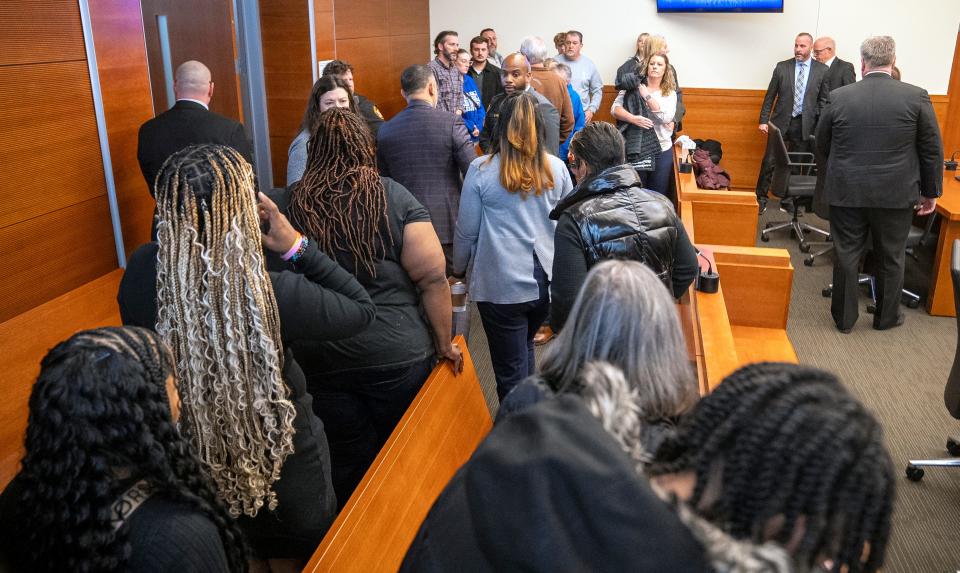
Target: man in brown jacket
column 547, row 83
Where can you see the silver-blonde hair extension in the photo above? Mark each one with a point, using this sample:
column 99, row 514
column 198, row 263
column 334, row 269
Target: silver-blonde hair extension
column 218, row 314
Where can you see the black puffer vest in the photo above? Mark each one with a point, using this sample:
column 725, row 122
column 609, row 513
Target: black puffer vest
column 618, row 219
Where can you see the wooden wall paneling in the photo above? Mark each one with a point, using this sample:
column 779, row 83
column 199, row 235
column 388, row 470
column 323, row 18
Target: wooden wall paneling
column 731, row 117
column 202, row 31
column 392, row 32
column 371, row 59
column 40, row 31
column 941, row 104
column 951, row 126
column 127, row 103
column 412, row 17
column 90, row 306
column 285, row 35
column 324, row 29
column 50, row 158
column 54, row 253
column 367, row 19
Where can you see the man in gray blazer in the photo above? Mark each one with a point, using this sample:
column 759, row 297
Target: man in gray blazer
column 794, row 98
column 881, row 145
column 428, row 151
column 841, row 72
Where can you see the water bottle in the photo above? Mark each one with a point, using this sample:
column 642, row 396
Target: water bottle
column 461, row 313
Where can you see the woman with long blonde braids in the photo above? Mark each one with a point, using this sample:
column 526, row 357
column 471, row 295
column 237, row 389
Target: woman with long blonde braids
column 505, row 230
column 205, row 289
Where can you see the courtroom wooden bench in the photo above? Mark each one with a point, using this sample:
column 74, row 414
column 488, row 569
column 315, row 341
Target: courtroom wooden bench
column 26, row 338
column 724, row 217
column 438, row 434
column 745, row 321
column 757, row 285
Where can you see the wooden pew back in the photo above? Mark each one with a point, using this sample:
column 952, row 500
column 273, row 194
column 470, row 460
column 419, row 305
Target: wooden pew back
column 439, row 432
column 758, row 282
column 26, row 338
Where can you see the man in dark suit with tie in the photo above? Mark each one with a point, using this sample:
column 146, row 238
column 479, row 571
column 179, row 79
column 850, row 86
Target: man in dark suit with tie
column 840, row 72
column 187, row 123
column 881, row 144
column 428, row 151
column 794, row 98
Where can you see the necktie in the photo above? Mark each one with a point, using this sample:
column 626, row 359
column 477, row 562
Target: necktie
column 798, row 90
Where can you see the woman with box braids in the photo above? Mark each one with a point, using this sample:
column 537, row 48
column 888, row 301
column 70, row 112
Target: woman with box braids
column 231, row 324
column 102, row 423
column 218, row 313
column 784, row 453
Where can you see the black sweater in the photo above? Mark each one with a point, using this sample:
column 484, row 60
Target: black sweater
column 318, row 301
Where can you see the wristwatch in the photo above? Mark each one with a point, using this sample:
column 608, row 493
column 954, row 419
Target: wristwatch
column 647, row 97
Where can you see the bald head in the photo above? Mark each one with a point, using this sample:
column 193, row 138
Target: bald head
column 193, row 81
column 515, row 73
column 824, row 49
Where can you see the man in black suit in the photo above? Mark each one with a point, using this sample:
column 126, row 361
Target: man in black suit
column 515, row 76
column 187, row 123
column 881, row 144
column 483, row 72
column 794, row 98
column 428, row 151
column 840, row 73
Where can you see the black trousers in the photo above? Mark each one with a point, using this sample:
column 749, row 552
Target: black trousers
column 793, row 137
column 851, row 227
column 510, row 329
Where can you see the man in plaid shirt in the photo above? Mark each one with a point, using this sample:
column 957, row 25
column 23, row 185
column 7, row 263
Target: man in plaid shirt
column 445, row 46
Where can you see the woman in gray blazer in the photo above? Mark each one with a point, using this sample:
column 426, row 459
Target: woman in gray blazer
column 504, row 229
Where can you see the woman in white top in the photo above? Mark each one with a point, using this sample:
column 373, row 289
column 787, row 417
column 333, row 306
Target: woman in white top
column 660, row 95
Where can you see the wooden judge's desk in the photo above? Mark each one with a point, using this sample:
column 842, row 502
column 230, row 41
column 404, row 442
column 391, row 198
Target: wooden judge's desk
column 940, row 300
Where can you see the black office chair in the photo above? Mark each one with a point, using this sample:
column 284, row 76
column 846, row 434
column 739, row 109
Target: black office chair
column 821, row 207
column 951, row 393
column 792, row 179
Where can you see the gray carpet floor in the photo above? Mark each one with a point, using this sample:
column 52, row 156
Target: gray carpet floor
column 899, row 374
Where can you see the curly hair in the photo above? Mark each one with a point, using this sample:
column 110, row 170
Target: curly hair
column 341, row 201
column 217, row 311
column 100, row 408
column 788, row 446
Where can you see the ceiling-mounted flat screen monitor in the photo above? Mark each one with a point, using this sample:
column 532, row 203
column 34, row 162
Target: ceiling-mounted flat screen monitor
column 719, row 5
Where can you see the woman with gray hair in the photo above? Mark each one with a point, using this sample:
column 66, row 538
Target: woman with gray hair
column 623, row 316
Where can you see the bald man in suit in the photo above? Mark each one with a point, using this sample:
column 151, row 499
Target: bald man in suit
column 188, row 122
column 841, row 73
column 795, row 116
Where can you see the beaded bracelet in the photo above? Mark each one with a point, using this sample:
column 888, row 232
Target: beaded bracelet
column 300, row 250
column 293, row 250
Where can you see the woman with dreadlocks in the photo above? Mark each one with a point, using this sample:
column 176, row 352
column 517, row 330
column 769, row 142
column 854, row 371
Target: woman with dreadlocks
column 783, row 453
column 504, row 230
column 107, row 482
column 376, row 229
column 230, row 325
